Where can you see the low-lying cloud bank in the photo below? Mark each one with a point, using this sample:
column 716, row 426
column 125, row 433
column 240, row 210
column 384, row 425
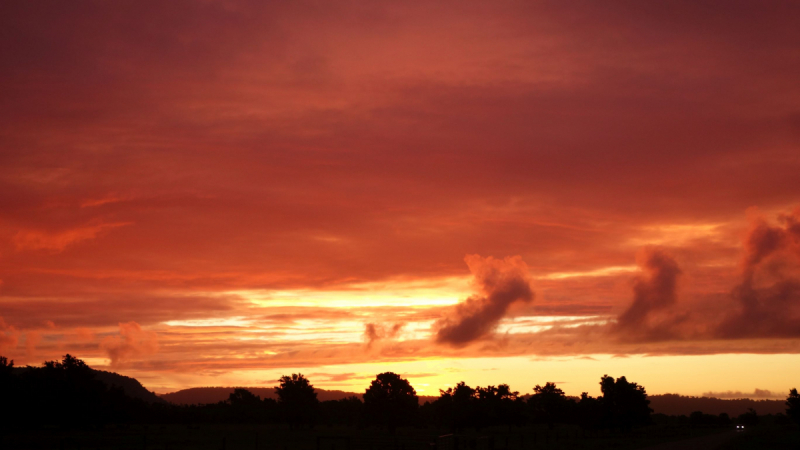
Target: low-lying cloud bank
column 764, row 305
column 757, row 393
column 757, row 314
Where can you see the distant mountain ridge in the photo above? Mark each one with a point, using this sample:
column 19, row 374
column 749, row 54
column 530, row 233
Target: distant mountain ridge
column 131, row 386
column 675, row 405
column 669, row 404
column 206, row 395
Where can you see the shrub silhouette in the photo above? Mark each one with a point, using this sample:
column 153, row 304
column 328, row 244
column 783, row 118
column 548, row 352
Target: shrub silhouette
column 297, row 400
column 391, row 401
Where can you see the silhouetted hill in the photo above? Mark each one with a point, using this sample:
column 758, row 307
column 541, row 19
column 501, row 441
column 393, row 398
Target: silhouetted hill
column 130, row 386
column 675, row 405
column 207, row 395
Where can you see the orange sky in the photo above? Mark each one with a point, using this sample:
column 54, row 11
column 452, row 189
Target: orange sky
column 222, row 192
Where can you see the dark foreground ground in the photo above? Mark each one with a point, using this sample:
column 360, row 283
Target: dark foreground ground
column 270, row 437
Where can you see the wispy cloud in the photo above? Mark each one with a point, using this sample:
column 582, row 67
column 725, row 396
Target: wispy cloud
column 59, row 240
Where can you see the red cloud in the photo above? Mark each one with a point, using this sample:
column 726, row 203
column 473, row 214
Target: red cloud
column 32, row 339
column 59, row 240
column 132, row 342
column 9, row 336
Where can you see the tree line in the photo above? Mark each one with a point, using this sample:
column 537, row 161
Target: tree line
column 66, row 392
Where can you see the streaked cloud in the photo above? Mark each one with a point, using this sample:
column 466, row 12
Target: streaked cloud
column 59, row 240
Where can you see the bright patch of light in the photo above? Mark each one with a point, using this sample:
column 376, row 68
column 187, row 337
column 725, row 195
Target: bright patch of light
column 225, row 322
column 409, row 294
column 537, row 324
column 604, row 272
column 676, row 234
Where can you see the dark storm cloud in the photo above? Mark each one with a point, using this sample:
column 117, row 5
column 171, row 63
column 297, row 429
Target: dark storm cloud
column 768, row 297
column 653, row 292
column 500, row 283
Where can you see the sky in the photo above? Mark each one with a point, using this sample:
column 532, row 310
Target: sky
column 217, row 193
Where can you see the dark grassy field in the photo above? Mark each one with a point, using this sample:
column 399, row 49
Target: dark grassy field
column 772, row 437
column 271, row 437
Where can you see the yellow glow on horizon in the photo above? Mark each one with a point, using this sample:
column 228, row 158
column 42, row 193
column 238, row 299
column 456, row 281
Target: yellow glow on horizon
column 677, row 234
column 239, row 321
column 335, row 330
column 602, row 272
column 406, row 293
column 573, row 374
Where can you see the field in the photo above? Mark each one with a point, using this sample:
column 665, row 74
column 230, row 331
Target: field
column 272, row 437
column 772, row 437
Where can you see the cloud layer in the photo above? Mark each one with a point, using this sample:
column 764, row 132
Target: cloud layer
column 255, row 181
column 756, row 394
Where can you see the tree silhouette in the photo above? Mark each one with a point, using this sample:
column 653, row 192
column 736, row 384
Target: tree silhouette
column 6, row 366
column 625, row 403
column 589, row 411
column 297, row 399
column 499, row 406
column 456, row 408
column 391, row 401
column 9, row 389
column 246, row 407
column 243, row 397
column 793, row 406
column 345, row 411
column 749, row 418
column 548, row 404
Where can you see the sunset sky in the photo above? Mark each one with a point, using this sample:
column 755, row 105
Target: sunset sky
column 217, row 193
